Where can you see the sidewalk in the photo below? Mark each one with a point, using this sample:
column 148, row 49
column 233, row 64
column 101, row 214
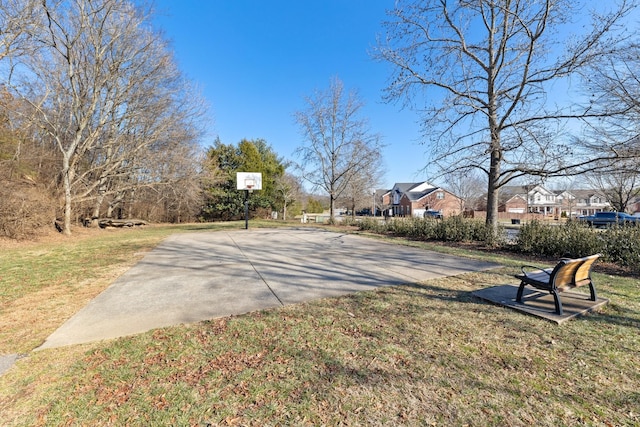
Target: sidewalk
column 200, row 276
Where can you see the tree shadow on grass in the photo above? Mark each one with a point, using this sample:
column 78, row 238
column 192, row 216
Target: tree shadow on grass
column 616, row 314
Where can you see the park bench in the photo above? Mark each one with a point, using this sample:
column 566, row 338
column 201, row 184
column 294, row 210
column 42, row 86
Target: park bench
column 568, row 273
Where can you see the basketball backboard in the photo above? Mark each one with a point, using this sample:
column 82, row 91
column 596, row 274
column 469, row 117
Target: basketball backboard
column 249, row 181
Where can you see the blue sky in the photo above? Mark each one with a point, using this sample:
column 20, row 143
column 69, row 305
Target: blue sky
column 255, row 61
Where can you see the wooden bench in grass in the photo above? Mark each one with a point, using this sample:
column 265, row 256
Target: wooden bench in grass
column 568, row 273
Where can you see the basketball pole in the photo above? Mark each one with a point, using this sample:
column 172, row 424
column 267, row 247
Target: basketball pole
column 246, row 209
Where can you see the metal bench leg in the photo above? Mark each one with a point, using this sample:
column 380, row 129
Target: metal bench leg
column 520, row 290
column 592, row 289
column 556, row 300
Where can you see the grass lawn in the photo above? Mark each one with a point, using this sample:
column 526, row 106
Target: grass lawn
column 419, row 354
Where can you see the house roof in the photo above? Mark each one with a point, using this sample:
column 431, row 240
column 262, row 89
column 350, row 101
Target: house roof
column 417, row 195
column 415, row 191
column 508, row 192
column 381, row 192
column 585, row 194
column 516, row 196
column 413, row 187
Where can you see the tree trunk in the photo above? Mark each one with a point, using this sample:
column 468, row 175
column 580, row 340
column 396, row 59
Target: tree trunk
column 494, row 165
column 493, row 197
column 96, row 208
column 332, row 202
column 66, row 178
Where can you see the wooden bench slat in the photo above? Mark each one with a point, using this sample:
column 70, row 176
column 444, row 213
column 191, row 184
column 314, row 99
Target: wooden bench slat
column 567, row 274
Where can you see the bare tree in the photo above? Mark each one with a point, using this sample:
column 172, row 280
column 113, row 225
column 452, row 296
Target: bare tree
column 488, row 66
column 613, row 85
column 339, row 146
column 81, row 66
column 359, row 192
column 18, row 22
column 177, row 194
column 467, row 185
column 161, row 122
column 289, row 190
column 621, row 186
column 106, row 92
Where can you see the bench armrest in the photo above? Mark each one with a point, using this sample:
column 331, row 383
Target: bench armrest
column 535, row 268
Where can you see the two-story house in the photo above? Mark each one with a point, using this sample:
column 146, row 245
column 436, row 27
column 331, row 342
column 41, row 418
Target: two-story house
column 588, row 202
column 537, row 199
column 413, row 199
column 529, row 198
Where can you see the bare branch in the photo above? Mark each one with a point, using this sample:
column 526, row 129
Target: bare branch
column 487, row 67
column 339, row 146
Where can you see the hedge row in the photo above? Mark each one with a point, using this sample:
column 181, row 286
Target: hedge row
column 452, row 229
column 619, row 245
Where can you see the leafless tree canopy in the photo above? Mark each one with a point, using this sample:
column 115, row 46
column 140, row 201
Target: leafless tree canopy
column 468, row 186
column 487, row 68
column 338, row 148
column 104, row 94
column 19, row 20
column 289, row 190
column 620, row 186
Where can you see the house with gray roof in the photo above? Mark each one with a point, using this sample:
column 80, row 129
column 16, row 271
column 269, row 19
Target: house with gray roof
column 415, row 198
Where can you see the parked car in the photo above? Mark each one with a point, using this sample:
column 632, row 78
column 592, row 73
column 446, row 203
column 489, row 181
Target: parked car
column 433, row 214
column 604, row 219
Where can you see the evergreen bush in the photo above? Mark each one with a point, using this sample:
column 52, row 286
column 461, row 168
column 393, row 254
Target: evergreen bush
column 619, row 245
column 451, row 229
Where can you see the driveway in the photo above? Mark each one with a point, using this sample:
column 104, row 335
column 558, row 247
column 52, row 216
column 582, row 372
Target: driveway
column 199, row 276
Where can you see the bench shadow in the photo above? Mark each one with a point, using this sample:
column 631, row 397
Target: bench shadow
column 535, row 303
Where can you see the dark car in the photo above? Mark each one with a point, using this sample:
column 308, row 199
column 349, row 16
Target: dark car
column 604, row 219
column 433, row 214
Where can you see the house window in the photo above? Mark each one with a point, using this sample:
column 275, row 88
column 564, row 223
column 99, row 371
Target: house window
column 440, row 195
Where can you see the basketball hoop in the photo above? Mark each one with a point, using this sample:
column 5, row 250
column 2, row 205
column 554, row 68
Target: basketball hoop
column 249, row 184
column 248, row 181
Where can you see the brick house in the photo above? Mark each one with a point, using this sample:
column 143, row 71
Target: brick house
column 532, row 199
column 515, row 204
column 413, row 199
column 634, row 206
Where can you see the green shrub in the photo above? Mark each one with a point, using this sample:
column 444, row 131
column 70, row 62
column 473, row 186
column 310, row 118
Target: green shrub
column 372, row 224
column 619, row 245
column 451, row 229
column 622, row 246
column 569, row 240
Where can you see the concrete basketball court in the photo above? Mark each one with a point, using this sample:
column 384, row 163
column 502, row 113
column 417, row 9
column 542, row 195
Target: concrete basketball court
column 199, row 276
